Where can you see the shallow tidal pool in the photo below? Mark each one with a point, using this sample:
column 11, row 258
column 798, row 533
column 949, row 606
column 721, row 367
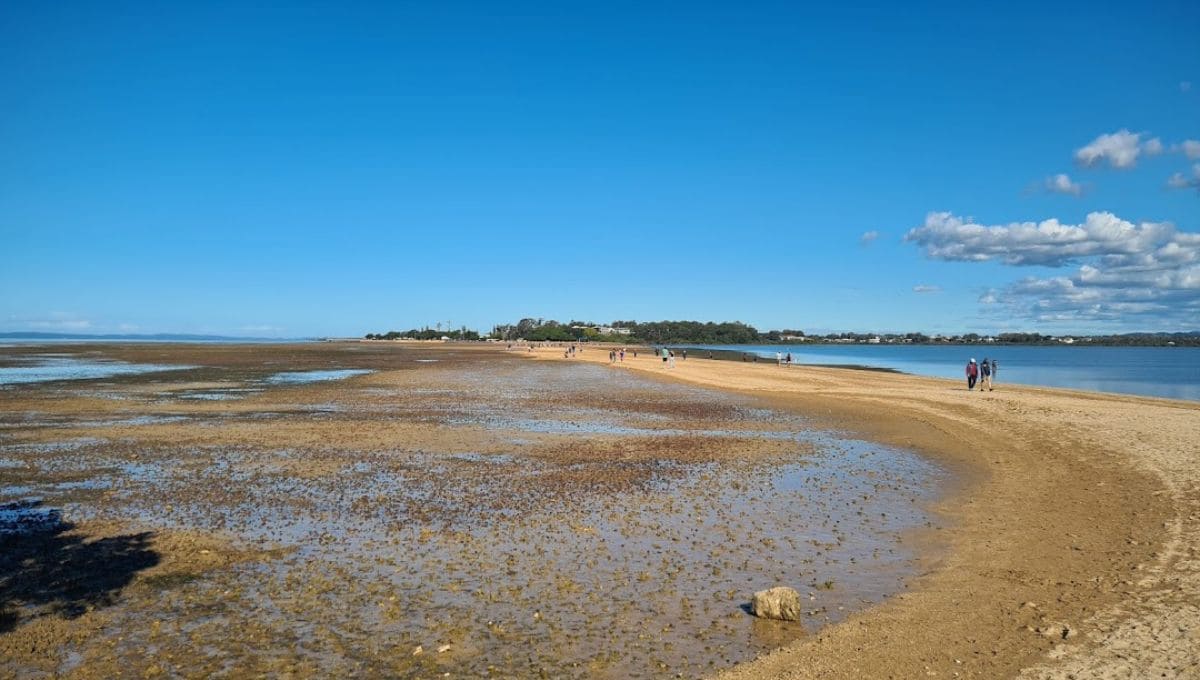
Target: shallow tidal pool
column 474, row 517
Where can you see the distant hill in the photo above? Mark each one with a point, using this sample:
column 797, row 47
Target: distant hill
column 155, row 337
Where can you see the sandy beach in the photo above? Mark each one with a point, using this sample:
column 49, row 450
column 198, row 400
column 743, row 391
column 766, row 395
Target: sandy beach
column 1065, row 544
column 1076, row 531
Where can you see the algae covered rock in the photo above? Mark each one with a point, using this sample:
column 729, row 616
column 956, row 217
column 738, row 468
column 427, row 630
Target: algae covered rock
column 780, row 603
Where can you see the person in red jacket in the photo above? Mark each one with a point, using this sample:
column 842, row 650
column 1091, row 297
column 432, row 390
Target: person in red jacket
column 972, row 374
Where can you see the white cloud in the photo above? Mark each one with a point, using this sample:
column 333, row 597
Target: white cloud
column 1181, row 181
column 59, row 324
column 1190, row 148
column 1051, row 243
column 1148, row 271
column 868, row 238
column 1153, row 147
column 1120, row 149
column 1075, row 299
column 261, row 328
column 1062, row 184
column 924, row 288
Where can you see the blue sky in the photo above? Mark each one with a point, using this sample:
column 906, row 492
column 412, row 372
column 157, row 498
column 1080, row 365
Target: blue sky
column 332, row 169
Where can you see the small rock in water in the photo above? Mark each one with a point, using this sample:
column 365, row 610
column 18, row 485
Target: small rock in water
column 781, row 603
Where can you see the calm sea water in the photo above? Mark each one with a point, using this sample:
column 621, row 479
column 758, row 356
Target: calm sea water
column 1171, row 372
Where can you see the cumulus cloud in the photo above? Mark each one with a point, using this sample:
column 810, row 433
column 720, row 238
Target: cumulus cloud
column 1049, row 243
column 1148, row 271
column 1153, row 147
column 1189, row 148
column 1121, row 149
column 868, row 238
column 1062, row 184
column 925, row 288
column 1182, row 181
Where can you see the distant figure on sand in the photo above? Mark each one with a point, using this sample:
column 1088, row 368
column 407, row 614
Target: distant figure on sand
column 985, row 373
column 788, row 359
column 972, row 374
column 779, row 358
column 666, row 354
column 671, row 360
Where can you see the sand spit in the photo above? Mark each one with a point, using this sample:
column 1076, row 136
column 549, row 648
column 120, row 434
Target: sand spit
column 1075, row 551
column 448, row 513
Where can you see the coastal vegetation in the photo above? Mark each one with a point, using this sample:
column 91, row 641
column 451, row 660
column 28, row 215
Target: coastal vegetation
column 738, row 333
column 425, row 334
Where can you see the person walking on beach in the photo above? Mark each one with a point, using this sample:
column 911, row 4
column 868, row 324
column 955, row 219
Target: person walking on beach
column 985, row 373
column 972, row 374
column 788, row 359
column 671, row 360
column 684, row 354
column 666, row 354
column 779, row 358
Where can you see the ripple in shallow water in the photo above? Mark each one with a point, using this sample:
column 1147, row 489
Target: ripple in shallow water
column 301, row 377
column 46, row 368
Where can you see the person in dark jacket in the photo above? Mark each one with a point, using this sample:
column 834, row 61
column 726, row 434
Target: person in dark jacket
column 972, row 374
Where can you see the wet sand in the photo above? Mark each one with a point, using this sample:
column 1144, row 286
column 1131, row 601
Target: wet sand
column 384, row 509
column 1075, row 547
column 210, row 500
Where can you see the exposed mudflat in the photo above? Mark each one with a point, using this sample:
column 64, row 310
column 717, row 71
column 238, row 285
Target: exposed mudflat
column 414, row 510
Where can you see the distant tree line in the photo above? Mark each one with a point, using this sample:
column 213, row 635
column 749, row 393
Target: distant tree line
column 738, row 333
column 652, row 332
column 667, row 332
column 425, row 334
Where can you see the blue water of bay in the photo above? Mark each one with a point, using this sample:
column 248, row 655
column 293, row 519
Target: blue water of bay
column 1170, row 372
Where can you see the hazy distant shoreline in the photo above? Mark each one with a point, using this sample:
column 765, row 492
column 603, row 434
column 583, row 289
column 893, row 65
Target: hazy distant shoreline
column 131, row 337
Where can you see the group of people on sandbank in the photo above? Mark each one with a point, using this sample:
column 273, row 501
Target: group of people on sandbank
column 616, row 355
column 668, row 357
column 983, row 373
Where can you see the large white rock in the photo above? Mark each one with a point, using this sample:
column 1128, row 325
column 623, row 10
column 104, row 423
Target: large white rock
column 781, row 603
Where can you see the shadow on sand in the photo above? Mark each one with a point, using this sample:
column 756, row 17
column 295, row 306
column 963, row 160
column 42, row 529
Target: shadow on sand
column 46, row 570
